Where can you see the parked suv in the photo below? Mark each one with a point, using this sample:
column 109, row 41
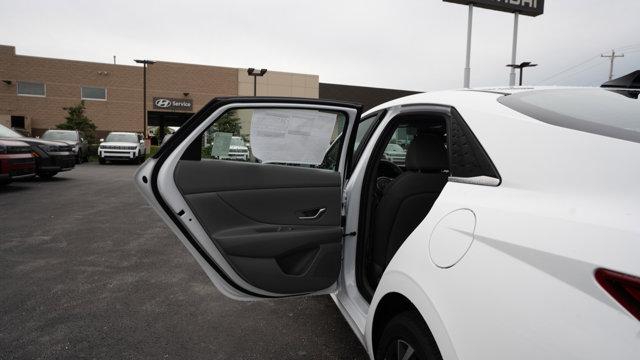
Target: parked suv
column 51, row 156
column 16, row 161
column 74, row 138
column 122, row 146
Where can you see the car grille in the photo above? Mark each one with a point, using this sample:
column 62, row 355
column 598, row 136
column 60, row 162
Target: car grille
column 115, row 147
column 60, row 148
column 18, row 149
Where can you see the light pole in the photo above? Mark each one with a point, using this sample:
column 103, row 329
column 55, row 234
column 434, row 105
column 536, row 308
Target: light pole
column 255, row 73
column 144, row 93
column 521, row 66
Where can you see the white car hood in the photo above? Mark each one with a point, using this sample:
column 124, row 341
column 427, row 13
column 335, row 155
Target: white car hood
column 115, row 143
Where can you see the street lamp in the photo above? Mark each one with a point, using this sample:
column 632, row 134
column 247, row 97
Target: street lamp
column 521, row 66
column 255, row 73
column 144, row 63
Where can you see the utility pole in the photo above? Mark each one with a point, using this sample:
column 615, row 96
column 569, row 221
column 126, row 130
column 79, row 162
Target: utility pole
column 467, row 67
column 514, row 47
column 613, row 56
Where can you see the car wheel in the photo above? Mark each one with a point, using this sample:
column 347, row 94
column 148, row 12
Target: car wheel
column 102, row 161
column 407, row 337
column 47, row 176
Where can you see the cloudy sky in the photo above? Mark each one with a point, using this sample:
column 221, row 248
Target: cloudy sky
column 406, row 44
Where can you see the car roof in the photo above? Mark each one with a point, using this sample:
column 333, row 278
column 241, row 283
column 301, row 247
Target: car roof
column 451, row 97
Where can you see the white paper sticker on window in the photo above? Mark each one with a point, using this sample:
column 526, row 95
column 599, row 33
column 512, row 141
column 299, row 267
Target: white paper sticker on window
column 291, row 136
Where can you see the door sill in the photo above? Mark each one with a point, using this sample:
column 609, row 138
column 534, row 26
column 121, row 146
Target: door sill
column 358, row 327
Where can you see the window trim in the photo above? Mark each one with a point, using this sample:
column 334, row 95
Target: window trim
column 357, row 153
column 44, row 86
column 94, row 87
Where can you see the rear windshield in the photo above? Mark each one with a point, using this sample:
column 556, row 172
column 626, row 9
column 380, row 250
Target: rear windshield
column 133, row 138
column 595, row 111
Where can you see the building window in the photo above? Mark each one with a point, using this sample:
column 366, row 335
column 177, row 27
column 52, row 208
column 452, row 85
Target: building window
column 93, row 93
column 26, row 88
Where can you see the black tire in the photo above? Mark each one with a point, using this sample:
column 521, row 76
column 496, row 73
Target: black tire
column 47, row 176
column 407, row 332
column 102, row 161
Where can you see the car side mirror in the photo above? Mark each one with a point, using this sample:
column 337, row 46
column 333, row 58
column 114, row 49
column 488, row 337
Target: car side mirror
column 141, row 141
column 37, row 137
column 101, row 140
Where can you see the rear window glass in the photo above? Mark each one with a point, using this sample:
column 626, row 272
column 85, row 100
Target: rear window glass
column 595, row 111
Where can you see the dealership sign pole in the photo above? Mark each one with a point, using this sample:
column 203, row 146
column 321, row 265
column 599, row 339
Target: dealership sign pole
column 467, row 68
column 517, row 7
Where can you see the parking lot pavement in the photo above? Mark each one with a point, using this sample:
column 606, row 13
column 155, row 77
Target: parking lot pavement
column 88, row 270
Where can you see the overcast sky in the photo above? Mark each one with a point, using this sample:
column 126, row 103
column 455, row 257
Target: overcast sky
column 405, row 44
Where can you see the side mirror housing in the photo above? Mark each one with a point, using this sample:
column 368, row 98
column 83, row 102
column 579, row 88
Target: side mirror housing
column 141, row 141
column 101, row 140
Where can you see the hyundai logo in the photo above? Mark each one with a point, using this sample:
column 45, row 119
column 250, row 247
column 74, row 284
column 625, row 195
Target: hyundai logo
column 163, row 103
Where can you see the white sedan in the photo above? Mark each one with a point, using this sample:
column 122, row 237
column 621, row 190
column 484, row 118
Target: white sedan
column 510, row 230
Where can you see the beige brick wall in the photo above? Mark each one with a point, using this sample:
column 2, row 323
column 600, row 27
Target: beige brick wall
column 5, row 120
column 275, row 83
column 122, row 111
column 123, row 108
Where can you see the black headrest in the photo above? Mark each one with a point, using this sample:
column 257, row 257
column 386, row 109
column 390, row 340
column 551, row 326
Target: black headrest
column 427, row 153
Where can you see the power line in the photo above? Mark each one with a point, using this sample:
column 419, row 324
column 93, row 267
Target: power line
column 586, row 69
column 569, row 69
column 628, row 46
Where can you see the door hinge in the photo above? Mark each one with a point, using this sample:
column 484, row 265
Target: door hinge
column 353, row 233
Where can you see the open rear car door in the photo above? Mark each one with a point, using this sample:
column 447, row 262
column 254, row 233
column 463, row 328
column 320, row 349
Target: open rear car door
column 253, row 188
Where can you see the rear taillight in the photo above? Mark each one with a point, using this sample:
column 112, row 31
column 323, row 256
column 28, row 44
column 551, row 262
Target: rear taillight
column 622, row 287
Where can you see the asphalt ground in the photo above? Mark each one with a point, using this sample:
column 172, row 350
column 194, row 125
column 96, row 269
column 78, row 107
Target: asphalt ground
column 88, row 270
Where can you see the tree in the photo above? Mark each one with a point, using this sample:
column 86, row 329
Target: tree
column 229, row 123
column 77, row 120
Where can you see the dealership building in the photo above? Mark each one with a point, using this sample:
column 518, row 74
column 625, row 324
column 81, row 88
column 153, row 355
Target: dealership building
column 35, row 90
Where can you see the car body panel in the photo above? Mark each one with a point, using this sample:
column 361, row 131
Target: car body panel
column 568, row 203
column 16, row 161
column 521, row 284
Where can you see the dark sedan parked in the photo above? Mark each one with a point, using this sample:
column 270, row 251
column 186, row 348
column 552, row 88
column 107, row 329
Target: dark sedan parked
column 51, row 156
column 75, row 138
column 16, row 161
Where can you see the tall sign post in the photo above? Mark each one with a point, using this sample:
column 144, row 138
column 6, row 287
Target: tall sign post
column 467, row 68
column 517, row 7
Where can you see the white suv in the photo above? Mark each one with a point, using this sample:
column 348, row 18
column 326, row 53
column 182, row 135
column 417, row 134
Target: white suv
column 122, row 146
column 511, row 230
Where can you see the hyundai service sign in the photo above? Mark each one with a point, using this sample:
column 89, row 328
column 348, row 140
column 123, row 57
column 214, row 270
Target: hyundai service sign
column 524, row 7
column 164, row 103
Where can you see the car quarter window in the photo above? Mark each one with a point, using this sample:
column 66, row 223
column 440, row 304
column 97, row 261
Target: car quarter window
column 290, row 137
column 469, row 162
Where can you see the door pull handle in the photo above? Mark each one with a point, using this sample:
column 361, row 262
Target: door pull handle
column 314, row 217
